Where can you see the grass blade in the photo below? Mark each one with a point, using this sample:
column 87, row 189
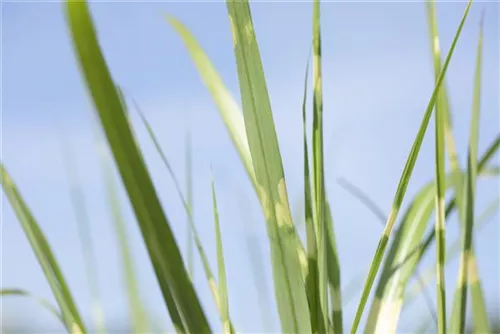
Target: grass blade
column 405, row 178
column 389, row 295
column 192, row 227
column 363, row 198
column 333, row 268
column 136, row 309
column 440, row 225
column 452, row 204
column 318, row 176
column 189, row 195
column 44, row 255
column 312, row 279
column 42, row 302
column 387, row 305
column 289, row 285
column 177, row 289
column 228, row 108
column 468, row 263
column 452, row 251
column 84, row 232
column 223, row 299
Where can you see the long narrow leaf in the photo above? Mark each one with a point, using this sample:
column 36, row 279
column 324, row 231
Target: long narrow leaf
column 317, row 321
column 389, row 294
column 482, row 166
column 228, row 109
column 289, row 285
column 82, row 218
column 386, row 307
column 44, row 255
column 440, row 225
column 318, row 175
column 333, row 268
column 223, row 299
column 189, row 195
column 178, row 292
column 192, row 227
column 42, row 302
column 136, row 308
column 468, row 263
column 452, row 251
column 227, row 106
column 403, row 183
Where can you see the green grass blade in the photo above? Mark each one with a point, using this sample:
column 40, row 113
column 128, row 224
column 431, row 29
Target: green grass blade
column 333, row 268
column 317, row 321
column 490, row 171
column 452, row 251
column 468, row 263
column 405, row 178
column 192, row 227
column 42, row 302
column 82, row 218
column 223, row 299
column 289, row 285
column 490, row 152
column 44, row 255
column 389, row 295
column 363, row 198
column 189, row 196
column 440, row 225
column 482, row 166
column 318, row 174
column 228, row 108
column 387, row 305
column 177, row 289
column 136, row 308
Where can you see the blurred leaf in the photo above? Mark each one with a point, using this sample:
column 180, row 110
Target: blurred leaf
column 178, row 291
column 84, row 232
column 403, row 183
column 468, row 272
column 192, row 227
column 44, row 255
column 223, row 299
column 42, row 302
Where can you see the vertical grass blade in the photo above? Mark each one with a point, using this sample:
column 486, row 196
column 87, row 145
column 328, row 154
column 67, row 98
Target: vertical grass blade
column 403, row 183
column 227, row 106
column 399, row 265
column 289, row 285
column 223, row 299
column 44, row 255
column 318, row 167
column 468, row 263
column 42, row 302
column 452, row 251
column 189, row 195
column 136, row 308
column 440, row 226
column 333, row 268
column 317, row 321
column 192, row 227
column 452, row 204
column 384, row 313
column 82, row 218
column 177, row 289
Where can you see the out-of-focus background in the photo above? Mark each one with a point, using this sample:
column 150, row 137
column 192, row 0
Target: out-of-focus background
column 378, row 78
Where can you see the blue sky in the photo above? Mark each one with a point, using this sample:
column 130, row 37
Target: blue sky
column 378, row 78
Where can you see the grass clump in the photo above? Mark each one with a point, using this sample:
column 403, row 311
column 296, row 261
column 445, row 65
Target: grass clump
column 307, row 278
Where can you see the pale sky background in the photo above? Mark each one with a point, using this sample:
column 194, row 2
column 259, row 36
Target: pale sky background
column 378, row 78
